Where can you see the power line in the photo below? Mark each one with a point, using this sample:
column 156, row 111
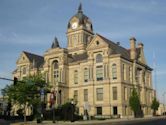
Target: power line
column 6, row 79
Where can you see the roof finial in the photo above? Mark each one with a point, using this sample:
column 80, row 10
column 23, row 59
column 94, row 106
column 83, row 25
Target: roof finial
column 80, row 8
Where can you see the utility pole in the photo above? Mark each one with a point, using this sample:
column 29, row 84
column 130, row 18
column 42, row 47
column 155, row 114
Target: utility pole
column 164, row 102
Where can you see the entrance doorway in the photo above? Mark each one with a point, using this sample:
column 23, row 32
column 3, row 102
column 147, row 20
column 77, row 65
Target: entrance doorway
column 115, row 110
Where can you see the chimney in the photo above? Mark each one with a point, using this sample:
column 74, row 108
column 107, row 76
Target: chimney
column 140, row 45
column 133, row 48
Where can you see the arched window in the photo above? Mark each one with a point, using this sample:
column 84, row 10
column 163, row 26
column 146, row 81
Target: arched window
column 99, row 58
column 86, row 75
column 114, row 71
column 24, row 70
column 55, row 71
column 75, row 77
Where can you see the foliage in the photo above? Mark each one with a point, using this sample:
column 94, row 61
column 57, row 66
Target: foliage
column 20, row 112
column 155, row 104
column 65, row 112
column 134, row 102
column 25, row 92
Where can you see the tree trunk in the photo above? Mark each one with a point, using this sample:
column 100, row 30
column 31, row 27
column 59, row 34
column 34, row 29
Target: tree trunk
column 25, row 113
column 154, row 112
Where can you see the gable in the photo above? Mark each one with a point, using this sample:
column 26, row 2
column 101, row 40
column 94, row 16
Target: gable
column 22, row 59
column 96, row 43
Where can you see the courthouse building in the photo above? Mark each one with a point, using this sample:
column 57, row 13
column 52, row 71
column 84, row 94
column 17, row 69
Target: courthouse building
column 97, row 73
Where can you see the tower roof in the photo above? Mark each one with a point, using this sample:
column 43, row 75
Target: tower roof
column 81, row 17
column 55, row 43
column 80, row 8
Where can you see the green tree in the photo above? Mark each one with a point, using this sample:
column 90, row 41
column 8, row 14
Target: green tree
column 134, row 102
column 26, row 92
column 155, row 106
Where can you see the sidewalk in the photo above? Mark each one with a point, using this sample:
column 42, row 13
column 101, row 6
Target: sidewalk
column 89, row 122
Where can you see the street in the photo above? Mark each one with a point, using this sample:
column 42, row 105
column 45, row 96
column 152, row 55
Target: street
column 144, row 121
column 161, row 121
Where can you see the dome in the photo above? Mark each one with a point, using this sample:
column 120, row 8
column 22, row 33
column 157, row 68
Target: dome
column 81, row 18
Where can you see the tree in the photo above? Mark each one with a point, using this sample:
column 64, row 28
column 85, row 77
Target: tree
column 26, row 92
column 154, row 106
column 134, row 103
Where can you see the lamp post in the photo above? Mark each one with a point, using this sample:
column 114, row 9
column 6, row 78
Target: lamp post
column 52, row 99
column 72, row 111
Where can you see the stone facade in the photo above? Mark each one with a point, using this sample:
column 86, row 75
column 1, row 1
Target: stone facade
column 94, row 71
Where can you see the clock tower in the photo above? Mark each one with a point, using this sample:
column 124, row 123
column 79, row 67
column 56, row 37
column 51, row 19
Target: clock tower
column 79, row 32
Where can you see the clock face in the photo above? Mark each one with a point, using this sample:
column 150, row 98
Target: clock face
column 74, row 25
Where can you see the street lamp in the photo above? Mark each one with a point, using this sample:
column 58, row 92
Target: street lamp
column 52, row 100
column 72, row 110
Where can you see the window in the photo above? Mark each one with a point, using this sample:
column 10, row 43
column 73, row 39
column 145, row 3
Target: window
column 148, row 79
column 99, row 93
column 99, row 110
column 125, row 93
column 85, row 95
column 97, row 42
column 24, row 70
column 99, row 58
column 130, row 74
column 114, row 71
column 46, row 77
column 115, row 110
column 55, row 71
column 99, row 73
column 75, row 77
column 75, row 96
column 86, row 75
column 114, row 89
column 124, row 72
column 125, row 111
column 138, row 76
column 74, row 40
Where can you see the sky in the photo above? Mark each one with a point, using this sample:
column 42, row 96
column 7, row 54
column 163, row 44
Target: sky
column 31, row 25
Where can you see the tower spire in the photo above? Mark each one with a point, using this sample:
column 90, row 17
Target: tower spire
column 80, row 8
column 55, row 43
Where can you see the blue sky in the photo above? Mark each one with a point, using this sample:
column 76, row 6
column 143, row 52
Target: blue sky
column 31, row 25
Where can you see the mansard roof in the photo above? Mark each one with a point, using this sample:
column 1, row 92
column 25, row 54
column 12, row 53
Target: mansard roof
column 39, row 60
